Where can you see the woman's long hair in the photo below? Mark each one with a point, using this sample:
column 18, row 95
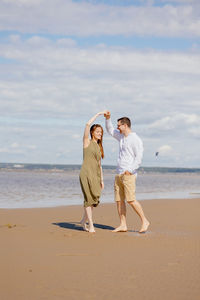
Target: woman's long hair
column 99, row 142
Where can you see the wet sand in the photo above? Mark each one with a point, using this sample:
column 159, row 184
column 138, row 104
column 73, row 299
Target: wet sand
column 44, row 254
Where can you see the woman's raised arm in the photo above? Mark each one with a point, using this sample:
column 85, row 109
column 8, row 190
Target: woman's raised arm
column 86, row 139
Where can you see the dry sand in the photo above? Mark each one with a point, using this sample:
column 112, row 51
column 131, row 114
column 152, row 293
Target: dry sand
column 44, row 254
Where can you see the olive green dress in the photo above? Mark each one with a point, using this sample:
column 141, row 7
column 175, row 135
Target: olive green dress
column 90, row 174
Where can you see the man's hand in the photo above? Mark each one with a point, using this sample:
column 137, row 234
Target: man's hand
column 107, row 114
column 127, row 173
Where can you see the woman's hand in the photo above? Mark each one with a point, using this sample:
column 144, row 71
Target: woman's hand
column 102, row 112
column 102, row 185
column 94, row 117
column 107, row 114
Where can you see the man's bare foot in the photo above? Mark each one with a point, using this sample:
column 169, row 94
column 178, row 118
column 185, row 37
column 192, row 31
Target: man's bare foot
column 84, row 225
column 120, row 229
column 144, row 227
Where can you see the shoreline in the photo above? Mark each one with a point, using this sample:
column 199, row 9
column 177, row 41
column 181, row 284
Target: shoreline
column 30, row 190
column 45, row 254
column 189, row 196
column 19, row 166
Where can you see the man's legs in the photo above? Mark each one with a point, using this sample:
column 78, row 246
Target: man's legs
column 121, row 208
column 138, row 209
column 129, row 191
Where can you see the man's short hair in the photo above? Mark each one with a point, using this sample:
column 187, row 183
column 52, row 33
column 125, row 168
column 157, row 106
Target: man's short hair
column 125, row 120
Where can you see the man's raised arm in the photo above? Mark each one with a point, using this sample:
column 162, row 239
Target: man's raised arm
column 109, row 127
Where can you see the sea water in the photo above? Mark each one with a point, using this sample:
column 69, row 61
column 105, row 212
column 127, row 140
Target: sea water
column 53, row 186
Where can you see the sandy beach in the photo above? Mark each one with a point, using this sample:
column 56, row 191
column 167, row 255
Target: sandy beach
column 45, row 254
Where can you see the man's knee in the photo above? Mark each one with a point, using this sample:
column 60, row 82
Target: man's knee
column 120, row 202
column 133, row 202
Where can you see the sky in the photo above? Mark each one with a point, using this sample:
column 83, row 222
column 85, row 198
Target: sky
column 62, row 61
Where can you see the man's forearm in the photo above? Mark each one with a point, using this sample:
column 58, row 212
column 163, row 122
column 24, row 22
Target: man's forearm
column 109, row 126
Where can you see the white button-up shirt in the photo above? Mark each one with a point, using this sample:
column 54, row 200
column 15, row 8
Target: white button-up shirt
column 130, row 149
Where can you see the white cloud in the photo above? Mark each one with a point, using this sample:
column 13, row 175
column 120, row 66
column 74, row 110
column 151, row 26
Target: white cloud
column 15, row 145
column 71, row 18
column 13, row 151
column 53, row 80
column 162, row 124
column 176, row 121
column 3, row 150
column 55, row 88
column 31, row 147
column 14, row 38
column 66, row 42
column 76, row 136
column 17, row 148
column 191, row 119
column 23, row 2
column 180, row 1
column 195, row 131
column 165, row 150
column 49, row 87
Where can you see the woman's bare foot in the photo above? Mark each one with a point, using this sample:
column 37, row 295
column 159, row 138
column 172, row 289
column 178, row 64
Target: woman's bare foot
column 84, row 225
column 91, row 230
column 144, row 227
column 120, row 229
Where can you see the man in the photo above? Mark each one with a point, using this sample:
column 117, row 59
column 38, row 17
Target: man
column 130, row 156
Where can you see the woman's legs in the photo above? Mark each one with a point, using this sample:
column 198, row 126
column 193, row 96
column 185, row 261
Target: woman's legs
column 89, row 217
column 84, row 220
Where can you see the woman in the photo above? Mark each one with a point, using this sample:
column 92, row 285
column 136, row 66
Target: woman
column 91, row 176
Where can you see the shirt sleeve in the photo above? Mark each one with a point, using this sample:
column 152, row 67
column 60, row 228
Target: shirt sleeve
column 113, row 132
column 138, row 150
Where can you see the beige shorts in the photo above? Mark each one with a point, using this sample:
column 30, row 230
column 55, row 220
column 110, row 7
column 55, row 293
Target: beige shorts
column 124, row 187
